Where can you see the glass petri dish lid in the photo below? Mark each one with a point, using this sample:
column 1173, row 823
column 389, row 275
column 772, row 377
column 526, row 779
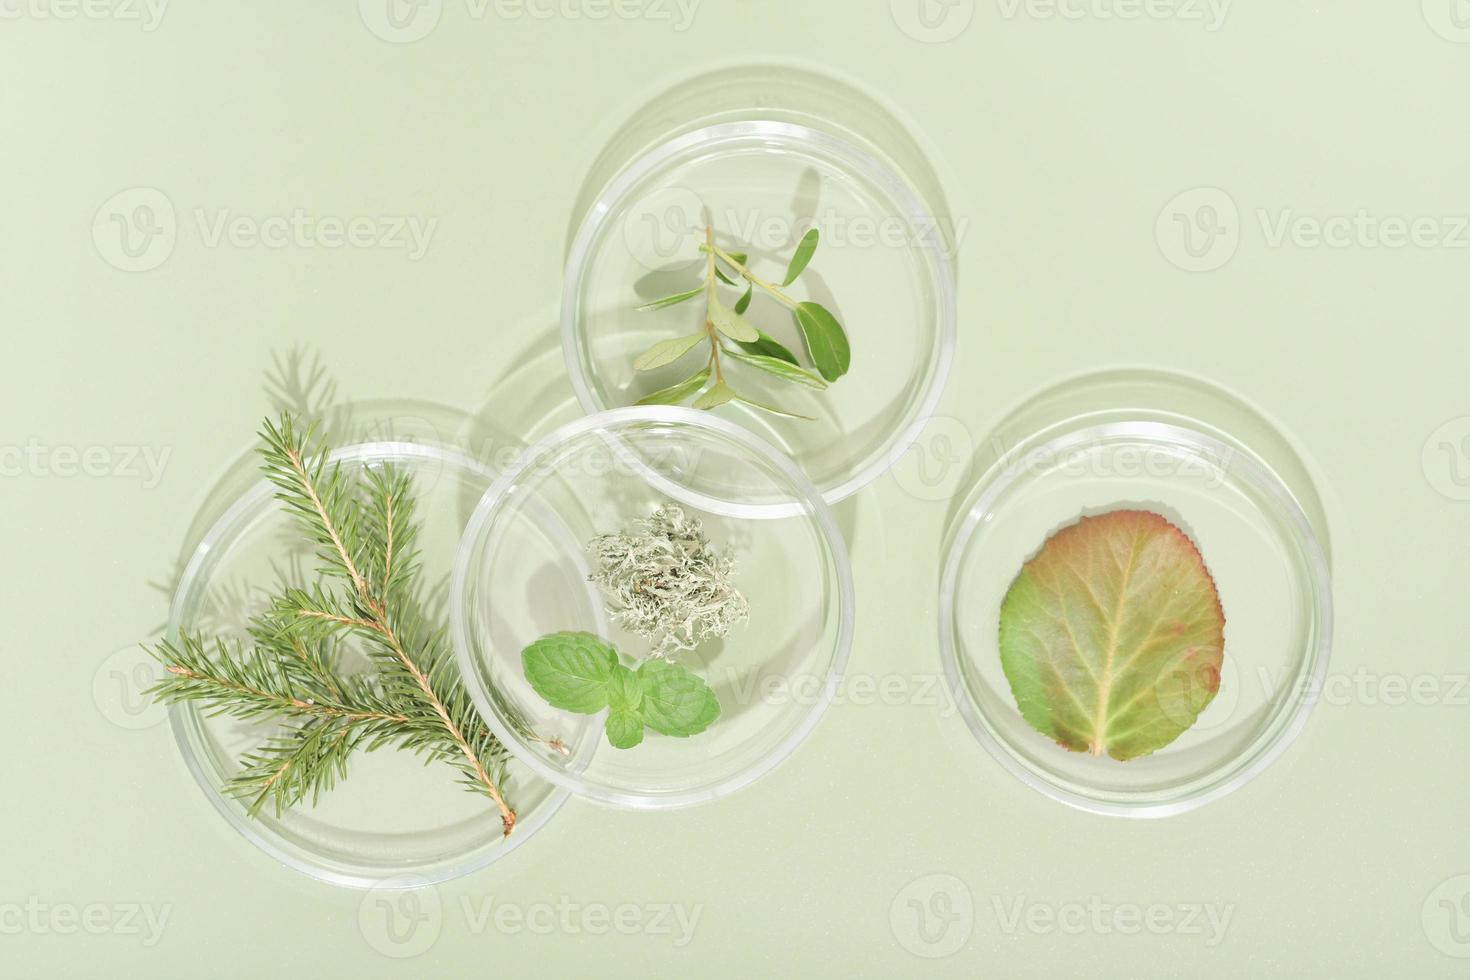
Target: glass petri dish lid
column 523, row 572
column 760, row 156
column 393, row 822
column 1215, row 469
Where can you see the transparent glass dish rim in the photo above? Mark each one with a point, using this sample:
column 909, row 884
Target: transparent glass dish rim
column 941, row 269
column 185, row 720
column 1289, row 719
column 808, row 496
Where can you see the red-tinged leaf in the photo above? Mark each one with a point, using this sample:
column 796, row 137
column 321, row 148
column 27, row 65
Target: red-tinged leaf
column 1112, row 637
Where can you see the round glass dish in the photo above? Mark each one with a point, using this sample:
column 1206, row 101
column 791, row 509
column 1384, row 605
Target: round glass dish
column 1217, row 470
column 762, row 155
column 522, row 573
column 394, row 822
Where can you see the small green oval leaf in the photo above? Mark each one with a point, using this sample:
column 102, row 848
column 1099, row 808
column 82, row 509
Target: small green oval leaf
column 674, row 394
column 715, row 397
column 659, row 304
column 730, row 323
column 826, row 341
column 624, row 728
column 725, row 277
column 743, row 303
column 803, row 256
column 624, row 689
column 667, row 352
column 781, row 369
column 676, row 701
column 768, row 346
column 773, row 409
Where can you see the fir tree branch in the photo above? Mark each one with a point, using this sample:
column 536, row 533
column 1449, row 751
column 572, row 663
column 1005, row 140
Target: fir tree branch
column 365, row 533
column 249, row 684
column 317, row 494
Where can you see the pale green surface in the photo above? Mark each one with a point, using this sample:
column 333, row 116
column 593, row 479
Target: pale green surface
column 1060, row 142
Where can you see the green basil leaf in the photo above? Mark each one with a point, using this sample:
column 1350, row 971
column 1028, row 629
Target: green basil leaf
column 803, row 256
column 570, row 671
column 826, row 341
column 676, row 701
column 667, row 352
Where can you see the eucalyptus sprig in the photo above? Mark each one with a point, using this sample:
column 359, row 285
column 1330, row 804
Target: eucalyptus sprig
column 730, row 334
column 367, row 599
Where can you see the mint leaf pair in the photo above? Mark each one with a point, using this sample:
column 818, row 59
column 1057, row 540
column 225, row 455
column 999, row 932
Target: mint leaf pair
column 579, row 672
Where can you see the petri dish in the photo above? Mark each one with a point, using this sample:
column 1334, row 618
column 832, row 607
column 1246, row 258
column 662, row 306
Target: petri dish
column 516, row 581
column 1219, row 471
column 760, row 155
column 393, row 822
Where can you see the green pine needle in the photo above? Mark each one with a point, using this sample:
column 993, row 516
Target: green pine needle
column 368, row 599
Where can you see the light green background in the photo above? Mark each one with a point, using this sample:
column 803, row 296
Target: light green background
column 1061, row 141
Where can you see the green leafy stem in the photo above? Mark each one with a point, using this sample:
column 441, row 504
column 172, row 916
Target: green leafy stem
column 730, row 334
column 368, row 598
column 579, row 672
